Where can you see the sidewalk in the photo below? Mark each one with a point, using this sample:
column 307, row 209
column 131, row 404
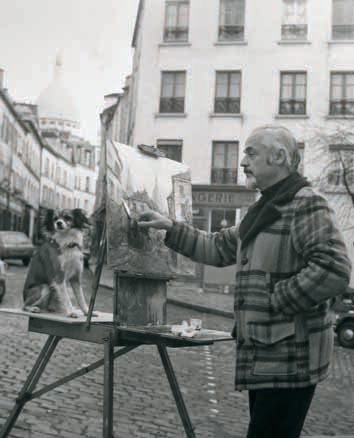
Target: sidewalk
column 187, row 294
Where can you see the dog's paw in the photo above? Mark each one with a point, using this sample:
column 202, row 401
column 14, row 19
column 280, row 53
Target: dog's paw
column 73, row 315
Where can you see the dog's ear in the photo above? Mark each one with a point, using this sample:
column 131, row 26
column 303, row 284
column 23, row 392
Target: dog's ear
column 48, row 222
column 80, row 218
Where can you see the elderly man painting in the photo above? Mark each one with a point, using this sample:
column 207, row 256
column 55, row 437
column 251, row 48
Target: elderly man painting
column 291, row 259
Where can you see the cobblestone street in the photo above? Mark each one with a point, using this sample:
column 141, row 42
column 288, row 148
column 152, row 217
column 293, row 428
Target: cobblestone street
column 144, row 406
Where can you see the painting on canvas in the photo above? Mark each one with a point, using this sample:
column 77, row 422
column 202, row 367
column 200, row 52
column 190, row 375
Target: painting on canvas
column 138, row 179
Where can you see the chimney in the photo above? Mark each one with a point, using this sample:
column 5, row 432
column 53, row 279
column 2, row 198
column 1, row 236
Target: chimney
column 1, row 78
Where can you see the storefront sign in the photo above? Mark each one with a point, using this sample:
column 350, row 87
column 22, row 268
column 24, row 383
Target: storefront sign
column 219, row 198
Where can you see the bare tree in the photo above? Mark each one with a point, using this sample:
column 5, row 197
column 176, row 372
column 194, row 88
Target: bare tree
column 329, row 164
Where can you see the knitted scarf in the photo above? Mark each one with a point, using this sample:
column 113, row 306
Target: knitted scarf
column 264, row 212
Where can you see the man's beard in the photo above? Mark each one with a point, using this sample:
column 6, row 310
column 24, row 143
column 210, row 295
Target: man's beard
column 251, row 182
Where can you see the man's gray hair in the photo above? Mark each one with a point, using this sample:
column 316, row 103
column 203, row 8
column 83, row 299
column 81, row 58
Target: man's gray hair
column 281, row 139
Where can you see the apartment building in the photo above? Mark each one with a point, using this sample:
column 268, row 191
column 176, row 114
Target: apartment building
column 206, row 73
column 20, row 155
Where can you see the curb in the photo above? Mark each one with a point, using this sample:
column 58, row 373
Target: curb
column 192, row 306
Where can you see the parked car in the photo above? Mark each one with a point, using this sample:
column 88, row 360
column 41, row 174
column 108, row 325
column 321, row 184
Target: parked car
column 344, row 324
column 16, row 245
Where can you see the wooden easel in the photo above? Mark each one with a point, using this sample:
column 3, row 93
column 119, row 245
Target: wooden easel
column 107, row 330
column 104, row 329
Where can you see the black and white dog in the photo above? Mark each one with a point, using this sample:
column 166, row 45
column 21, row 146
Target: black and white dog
column 57, row 265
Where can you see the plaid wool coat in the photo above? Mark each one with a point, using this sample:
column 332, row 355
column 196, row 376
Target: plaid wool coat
column 285, row 278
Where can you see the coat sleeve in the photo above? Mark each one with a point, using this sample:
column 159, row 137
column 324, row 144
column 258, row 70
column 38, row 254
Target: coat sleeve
column 327, row 268
column 217, row 249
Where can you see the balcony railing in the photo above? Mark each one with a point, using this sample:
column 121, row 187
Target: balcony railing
column 227, row 105
column 292, row 106
column 223, row 175
column 175, row 34
column 231, row 33
column 344, row 107
column 343, row 32
column 294, row 31
column 171, row 104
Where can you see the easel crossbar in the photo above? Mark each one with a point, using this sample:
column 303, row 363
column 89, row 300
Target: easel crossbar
column 78, row 373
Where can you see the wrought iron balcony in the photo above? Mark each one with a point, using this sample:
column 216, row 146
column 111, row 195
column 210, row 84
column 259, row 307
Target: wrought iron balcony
column 223, row 175
column 343, row 32
column 292, row 106
column 171, row 104
column 344, row 107
column 294, row 31
column 231, row 33
column 176, row 33
column 227, row 105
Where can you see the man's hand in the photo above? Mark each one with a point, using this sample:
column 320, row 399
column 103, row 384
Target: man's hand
column 152, row 219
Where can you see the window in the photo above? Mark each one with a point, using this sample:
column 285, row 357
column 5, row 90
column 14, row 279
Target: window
column 224, row 162
column 88, row 158
column 46, row 168
column 171, row 148
column 57, row 174
column 232, row 20
column 222, row 219
column 292, row 93
column 294, row 25
column 343, row 20
column 176, row 21
column 172, row 92
column 341, row 165
column 342, row 94
column 227, row 92
column 87, row 188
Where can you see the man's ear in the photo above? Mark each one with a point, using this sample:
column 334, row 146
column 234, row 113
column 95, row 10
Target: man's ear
column 80, row 218
column 48, row 222
column 279, row 156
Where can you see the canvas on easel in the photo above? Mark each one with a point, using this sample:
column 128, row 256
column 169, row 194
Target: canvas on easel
column 131, row 181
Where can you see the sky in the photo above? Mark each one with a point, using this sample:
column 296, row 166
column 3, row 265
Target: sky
column 93, row 38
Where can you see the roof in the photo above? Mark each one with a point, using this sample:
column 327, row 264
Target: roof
column 137, row 22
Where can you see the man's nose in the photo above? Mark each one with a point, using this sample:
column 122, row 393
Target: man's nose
column 244, row 162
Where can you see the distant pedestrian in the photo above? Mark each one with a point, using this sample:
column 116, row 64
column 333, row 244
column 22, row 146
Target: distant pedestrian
column 291, row 260
column 3, row 267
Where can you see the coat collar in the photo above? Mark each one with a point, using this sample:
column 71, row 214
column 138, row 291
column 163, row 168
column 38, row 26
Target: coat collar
column 265, row 212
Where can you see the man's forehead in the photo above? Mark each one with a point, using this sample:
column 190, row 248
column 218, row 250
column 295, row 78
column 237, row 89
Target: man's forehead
column 259, row 140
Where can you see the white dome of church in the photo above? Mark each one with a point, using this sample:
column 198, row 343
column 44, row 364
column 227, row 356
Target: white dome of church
column 56, row 108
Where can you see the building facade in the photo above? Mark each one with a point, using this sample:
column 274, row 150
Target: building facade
column 44, row 162
column 20, row 156
column 69, row 170
column 200, row 86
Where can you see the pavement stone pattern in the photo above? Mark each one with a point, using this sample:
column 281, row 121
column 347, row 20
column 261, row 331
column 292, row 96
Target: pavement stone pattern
column 143, row 403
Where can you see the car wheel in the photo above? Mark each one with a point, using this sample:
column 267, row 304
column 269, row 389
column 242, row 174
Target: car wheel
column 26, row 261
column 346, row 334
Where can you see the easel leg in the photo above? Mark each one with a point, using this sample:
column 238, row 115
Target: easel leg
column 187, row 424
column 31, row 382
column 108, row 389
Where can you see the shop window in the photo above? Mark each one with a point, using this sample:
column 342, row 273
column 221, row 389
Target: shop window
column 222, row 219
